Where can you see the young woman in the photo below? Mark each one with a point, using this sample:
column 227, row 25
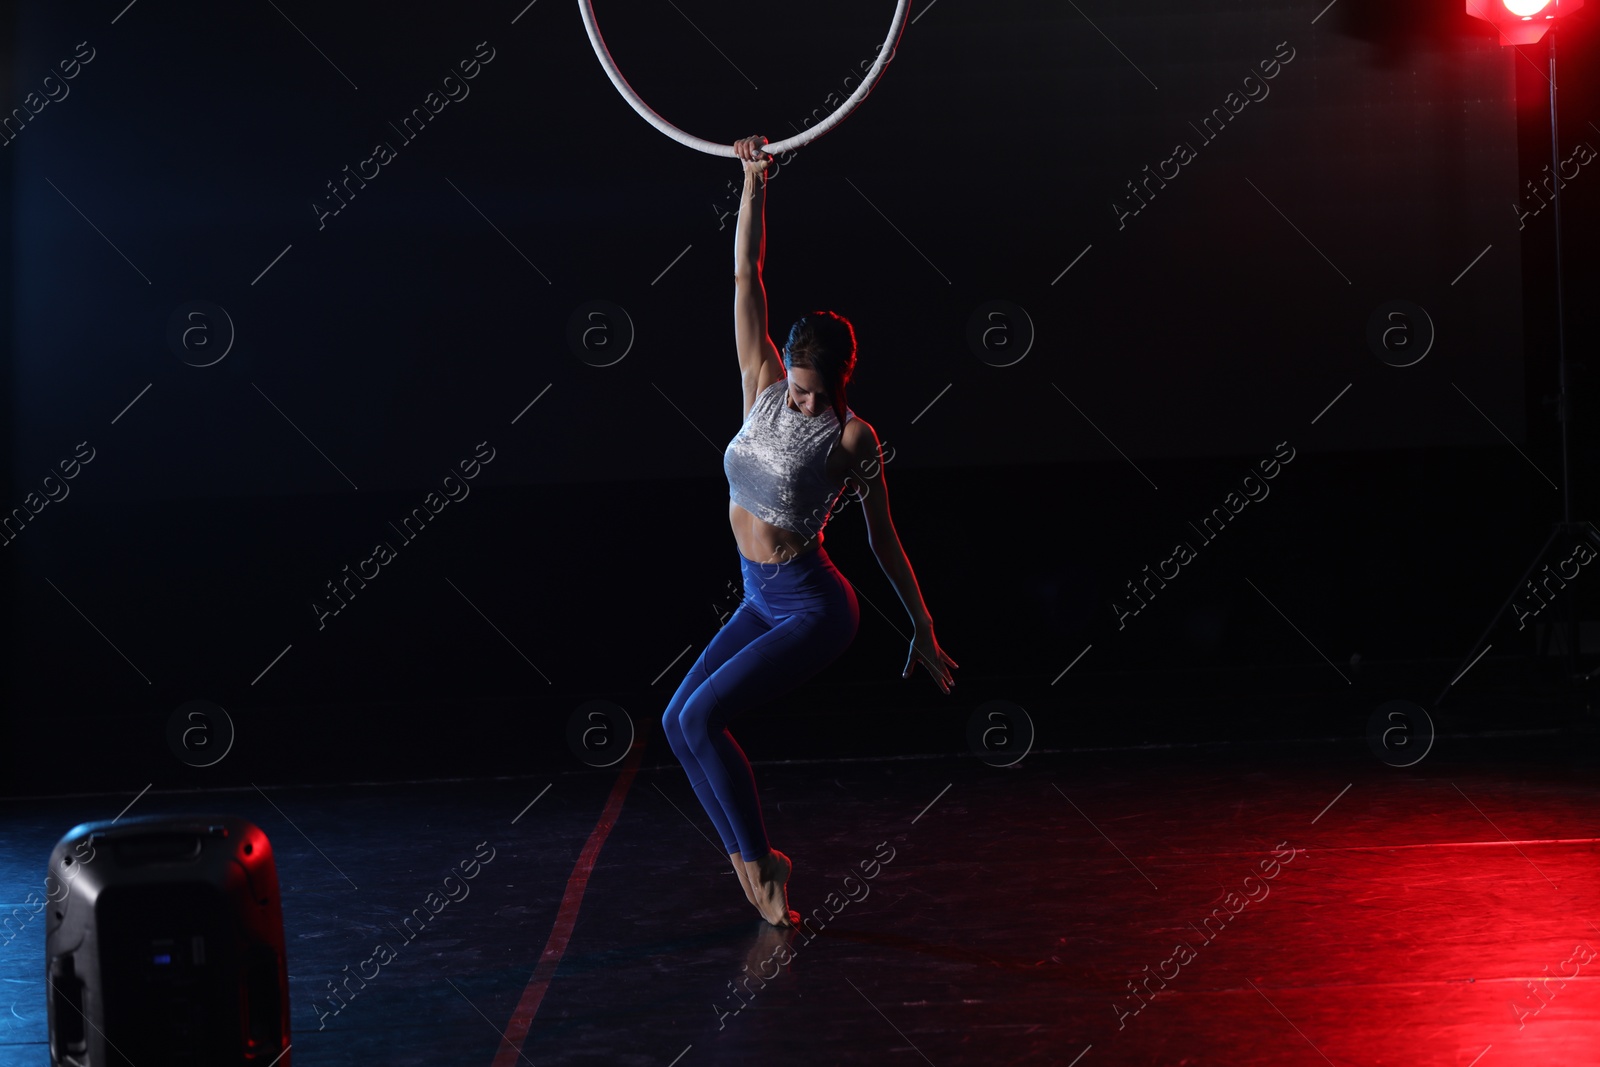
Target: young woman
column 786, row 467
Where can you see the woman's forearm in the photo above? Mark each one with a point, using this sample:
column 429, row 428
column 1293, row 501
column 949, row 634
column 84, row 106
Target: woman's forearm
column 898, row 569
column 750, row 235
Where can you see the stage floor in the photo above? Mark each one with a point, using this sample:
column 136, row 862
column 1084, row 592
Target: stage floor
column 1253, row 906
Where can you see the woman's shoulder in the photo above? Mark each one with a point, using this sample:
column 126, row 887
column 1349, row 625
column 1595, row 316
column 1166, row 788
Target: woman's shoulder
column 762, row 395
column 765, row 393
column 859, row 437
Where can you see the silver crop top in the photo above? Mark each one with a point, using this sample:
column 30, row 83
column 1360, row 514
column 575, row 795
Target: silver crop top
column 777, row 464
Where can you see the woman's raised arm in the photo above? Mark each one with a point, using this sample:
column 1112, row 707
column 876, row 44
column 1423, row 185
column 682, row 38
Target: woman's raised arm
column 749, row 251
column 750, row 234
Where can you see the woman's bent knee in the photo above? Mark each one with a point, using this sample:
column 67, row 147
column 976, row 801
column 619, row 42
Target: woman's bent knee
column 672, row 728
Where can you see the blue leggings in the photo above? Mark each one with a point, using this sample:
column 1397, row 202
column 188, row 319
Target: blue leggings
column 796, row 618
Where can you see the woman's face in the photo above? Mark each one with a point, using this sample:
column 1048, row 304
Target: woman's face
column 807, row 391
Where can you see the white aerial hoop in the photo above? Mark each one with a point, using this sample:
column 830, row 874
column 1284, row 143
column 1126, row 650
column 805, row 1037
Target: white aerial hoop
column 885, row 54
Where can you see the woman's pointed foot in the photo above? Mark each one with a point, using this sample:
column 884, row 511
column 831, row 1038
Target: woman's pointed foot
column 769, row 880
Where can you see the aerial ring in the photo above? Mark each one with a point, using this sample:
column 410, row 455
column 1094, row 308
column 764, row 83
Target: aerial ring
column 885, row 54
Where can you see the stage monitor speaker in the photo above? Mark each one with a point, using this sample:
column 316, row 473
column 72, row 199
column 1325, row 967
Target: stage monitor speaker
column 164, row 945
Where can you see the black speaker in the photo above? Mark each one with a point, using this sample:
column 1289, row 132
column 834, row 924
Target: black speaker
column 164, row 945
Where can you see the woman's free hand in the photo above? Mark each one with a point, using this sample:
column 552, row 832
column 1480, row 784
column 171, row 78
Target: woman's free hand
column 926, row 650
column 756, row 160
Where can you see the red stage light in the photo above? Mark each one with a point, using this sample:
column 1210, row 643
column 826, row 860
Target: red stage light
column 1521, row 21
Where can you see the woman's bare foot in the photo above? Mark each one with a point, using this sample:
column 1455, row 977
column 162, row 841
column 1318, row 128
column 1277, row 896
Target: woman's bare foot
column 769, row 879
column 744, row 878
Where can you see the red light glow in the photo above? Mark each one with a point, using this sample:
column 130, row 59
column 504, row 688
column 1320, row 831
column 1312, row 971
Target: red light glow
column 1521, row 22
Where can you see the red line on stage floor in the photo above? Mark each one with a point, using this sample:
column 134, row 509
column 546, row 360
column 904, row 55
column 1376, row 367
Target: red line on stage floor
column 516, row 1030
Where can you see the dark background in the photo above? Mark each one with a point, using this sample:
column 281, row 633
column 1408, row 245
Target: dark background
column 375, row 352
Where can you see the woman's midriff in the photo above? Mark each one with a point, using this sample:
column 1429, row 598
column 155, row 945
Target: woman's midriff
column 761, row 542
